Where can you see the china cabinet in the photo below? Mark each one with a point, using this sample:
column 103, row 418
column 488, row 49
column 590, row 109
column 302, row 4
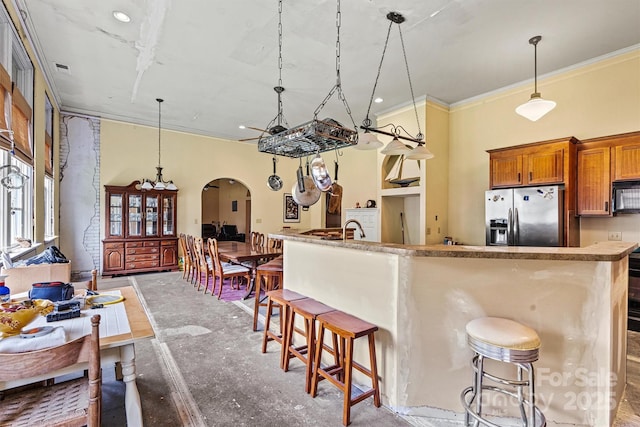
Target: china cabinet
column 140, row 234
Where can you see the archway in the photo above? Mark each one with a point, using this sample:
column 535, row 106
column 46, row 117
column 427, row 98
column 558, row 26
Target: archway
column 226, row 210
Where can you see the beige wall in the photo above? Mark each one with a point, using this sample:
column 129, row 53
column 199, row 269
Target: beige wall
column 595, row 100
column 425, row 210
column 128, row 153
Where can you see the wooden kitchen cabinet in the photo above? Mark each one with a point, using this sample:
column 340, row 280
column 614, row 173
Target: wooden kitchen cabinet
column 626, row 157
column 594, row 182
column 140, row 233
column 531, row 164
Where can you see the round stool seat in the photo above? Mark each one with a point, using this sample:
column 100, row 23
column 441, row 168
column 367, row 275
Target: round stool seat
column 503, row 339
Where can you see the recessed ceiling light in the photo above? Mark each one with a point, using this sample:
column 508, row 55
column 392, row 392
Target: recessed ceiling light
column 242, row 127
column 378, row 100
column 121, row 16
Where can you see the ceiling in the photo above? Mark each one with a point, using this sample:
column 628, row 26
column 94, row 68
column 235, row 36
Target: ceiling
column 216, row 63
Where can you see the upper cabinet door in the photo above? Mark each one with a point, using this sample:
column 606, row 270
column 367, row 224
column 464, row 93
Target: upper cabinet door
column 506, row 170
column 134, row 226
column 151, row 216
column 627, row 162
column 168, row 215
column 115, row 225
column 545, row 167
column 594, row 182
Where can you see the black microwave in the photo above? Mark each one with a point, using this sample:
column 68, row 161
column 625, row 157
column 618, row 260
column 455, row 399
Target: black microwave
column 626, row 197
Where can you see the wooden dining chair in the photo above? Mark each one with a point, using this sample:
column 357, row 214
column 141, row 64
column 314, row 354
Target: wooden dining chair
column 273, row 243
column 205, row 267
column 193, row 259
column 186, row 257
column 75, row 402
column 257, row 240
column 222, row 271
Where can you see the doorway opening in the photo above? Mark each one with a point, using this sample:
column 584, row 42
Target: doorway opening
column 226, row 210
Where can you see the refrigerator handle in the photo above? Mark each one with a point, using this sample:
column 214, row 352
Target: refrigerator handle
column 516, row 228
column 510, row 228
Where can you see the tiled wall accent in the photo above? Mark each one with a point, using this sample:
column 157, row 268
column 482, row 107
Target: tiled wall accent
column 80, row 193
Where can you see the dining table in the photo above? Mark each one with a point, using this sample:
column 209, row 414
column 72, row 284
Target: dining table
column 246, row 254
column 121, row 326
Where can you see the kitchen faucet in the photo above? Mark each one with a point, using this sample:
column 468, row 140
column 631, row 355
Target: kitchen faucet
column 344, row 228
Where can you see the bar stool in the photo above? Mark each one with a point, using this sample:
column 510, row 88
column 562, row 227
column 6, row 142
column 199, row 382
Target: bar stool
column 309, row 309
column 281, row 298
column 271, row 272
column 348, row 328
column 506, row 341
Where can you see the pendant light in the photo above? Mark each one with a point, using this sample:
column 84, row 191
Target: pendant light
column 536, row 107
column 395, row 147
column 159, row 183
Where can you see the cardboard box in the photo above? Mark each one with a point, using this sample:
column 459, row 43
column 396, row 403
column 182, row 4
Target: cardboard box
column 21, row 278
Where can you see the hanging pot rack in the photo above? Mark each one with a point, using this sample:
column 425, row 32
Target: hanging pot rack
column 315, row 136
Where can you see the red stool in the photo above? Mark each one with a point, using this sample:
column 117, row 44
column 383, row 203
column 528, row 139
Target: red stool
column 348, row 328
column 281, row 298
column 309, row 309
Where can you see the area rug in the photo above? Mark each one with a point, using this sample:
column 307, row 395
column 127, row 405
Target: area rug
column 229, row 293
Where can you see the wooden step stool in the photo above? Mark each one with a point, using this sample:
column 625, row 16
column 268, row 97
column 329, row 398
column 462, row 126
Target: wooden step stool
column 271, row 272
column 348, row 328
column 309, row 309
column 281, row 298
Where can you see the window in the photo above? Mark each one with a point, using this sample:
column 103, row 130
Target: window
column 48, row 208
column 16, row 203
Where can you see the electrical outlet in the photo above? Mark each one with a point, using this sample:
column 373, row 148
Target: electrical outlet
column 258, row 220
column 615, row 235
column 428, row 231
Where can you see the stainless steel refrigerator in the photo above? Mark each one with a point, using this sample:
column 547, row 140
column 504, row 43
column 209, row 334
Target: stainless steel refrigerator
column 527, row 216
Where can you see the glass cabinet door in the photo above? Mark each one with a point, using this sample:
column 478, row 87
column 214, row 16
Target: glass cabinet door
column 151, row 216
column 115, row 215
column 135, row 215
column 168, row 216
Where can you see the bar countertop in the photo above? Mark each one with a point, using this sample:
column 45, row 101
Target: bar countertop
column 602, row 251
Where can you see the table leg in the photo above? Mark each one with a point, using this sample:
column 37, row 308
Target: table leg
column 252, row 282
column 131, row 395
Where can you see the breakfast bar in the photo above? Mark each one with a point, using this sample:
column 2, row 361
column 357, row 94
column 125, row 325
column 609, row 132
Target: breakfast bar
column 422, row 297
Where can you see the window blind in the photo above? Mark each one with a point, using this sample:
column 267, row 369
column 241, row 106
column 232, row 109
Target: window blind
column 21, row 123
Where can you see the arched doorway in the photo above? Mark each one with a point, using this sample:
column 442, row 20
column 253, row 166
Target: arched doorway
column 226, row 210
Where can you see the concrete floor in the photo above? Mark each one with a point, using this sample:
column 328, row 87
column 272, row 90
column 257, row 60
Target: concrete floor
column 205, row 368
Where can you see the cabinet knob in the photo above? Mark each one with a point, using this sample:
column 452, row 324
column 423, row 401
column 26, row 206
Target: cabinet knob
column 530, row 176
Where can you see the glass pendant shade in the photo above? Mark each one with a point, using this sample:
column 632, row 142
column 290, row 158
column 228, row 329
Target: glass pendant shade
column 535, row 108
column 395, row 148
column 368, row 141
column 147, row 185
column 420, row 153
column 171, row 186
column 159, row 186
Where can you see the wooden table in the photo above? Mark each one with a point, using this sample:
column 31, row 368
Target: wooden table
column 243, row 253
column 118, row 334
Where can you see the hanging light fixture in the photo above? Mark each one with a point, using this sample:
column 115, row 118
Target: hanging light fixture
column 159, row 183
column 536, row 107
column 275, row 126
column 396, row 147
column 315, row 136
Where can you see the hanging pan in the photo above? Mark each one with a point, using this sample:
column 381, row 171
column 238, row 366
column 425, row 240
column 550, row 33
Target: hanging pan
column 304, row 191
column 274, row 182
column 320, row 174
